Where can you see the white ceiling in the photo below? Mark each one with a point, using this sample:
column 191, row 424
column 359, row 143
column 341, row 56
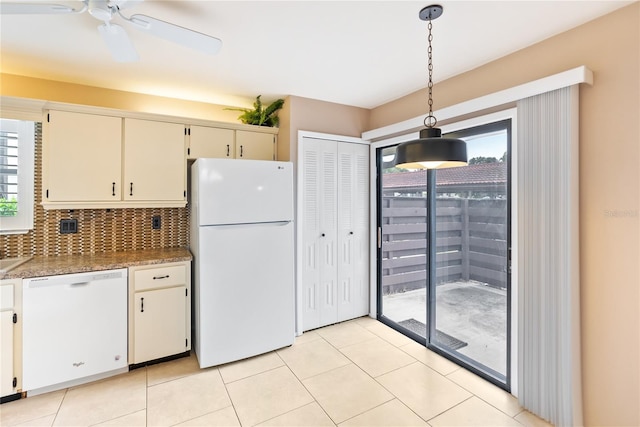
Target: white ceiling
column 361, row 53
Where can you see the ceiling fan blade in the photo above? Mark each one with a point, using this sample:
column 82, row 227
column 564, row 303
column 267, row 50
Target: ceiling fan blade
column 125, row 4
column 34, row 8
column 118, row 43
column 177, row 34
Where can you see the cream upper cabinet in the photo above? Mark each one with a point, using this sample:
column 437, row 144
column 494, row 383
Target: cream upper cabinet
column 82, row 157
column 154, row 161
column 226, row 143
column 209, row 142
column 255, row 145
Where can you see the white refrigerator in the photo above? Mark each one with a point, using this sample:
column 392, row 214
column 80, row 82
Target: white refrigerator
column 243, row 246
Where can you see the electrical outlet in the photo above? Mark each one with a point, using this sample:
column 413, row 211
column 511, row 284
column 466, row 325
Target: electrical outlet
column 156, row 222
column 68, row 226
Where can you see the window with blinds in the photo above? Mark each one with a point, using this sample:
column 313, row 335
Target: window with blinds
column 16, row 175
column 8, row 169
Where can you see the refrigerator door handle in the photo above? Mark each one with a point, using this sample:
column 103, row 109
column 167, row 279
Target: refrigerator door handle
column 252, row 224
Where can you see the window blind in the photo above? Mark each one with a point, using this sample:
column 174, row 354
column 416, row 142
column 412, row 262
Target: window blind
column 549, row 359
column 8, row 171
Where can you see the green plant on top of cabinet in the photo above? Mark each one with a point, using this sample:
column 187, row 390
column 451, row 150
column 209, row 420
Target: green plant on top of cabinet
column 159, row 311
column 94, row 161
column 209, row 142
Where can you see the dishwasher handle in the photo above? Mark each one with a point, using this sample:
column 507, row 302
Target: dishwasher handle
column 76, row 279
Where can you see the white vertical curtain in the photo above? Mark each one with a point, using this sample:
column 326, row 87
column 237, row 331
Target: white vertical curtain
column 549, row 372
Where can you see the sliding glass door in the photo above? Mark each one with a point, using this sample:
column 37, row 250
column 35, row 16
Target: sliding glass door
column 450, row 290
column 402, row 277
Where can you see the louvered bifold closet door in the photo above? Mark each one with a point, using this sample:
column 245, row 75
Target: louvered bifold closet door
column 319, row 274
column 353, row 239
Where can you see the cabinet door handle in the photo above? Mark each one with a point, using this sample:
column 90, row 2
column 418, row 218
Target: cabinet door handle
column 322, row 235
column 113, row 188
column 351, row 233
column 131, row 189
column 241, row 151
column 141, row 305
column 160, row 277
column 228, row 148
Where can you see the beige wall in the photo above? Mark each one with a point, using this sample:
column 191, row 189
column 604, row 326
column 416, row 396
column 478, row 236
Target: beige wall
column 49, row 90
column 316, row 116
column 609, row 191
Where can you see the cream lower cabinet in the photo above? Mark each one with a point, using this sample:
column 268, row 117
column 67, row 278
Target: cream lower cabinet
column 10, row 337
column 159, row 311
column 212, row 142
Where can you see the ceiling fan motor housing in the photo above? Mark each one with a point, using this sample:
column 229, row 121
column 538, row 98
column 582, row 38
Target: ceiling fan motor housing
column 100, row 9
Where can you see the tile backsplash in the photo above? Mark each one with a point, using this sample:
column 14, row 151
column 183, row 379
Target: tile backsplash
column 99, row 230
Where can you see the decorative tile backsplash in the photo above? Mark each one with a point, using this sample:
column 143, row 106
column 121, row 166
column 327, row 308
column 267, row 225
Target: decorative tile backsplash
column 99, row 230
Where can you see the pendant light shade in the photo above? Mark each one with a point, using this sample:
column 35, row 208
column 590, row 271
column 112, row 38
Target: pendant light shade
column 431, row 150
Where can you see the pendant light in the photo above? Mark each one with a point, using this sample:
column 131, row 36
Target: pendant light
column 431, row 150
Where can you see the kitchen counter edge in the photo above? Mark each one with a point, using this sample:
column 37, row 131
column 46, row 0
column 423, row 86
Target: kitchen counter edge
column 40, row 266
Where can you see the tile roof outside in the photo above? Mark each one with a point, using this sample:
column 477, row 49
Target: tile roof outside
column 485, row 173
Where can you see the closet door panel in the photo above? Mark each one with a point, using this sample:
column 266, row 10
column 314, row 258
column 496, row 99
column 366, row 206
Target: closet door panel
column 310, row 232
column 353, row 211
column 328, row 232
column 318, row 229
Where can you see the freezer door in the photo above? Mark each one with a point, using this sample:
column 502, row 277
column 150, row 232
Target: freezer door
column 250, row 191
column 244, row 291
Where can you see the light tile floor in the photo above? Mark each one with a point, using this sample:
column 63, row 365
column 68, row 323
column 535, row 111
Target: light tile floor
column 357, row 373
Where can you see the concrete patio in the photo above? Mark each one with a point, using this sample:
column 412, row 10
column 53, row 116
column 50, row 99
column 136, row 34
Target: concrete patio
column 469, row 311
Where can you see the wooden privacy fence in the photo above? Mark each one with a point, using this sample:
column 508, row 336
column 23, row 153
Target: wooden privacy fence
column 471, row 242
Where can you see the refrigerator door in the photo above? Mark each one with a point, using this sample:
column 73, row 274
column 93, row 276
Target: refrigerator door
column 244, row 292
column 240, row 192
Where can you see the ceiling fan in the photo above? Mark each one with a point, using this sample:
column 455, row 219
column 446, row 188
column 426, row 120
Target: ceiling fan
column 114, row 35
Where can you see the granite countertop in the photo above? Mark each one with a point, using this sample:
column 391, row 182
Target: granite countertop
column 67, row 264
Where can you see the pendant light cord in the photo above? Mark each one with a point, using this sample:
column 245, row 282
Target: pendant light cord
column 430, row 121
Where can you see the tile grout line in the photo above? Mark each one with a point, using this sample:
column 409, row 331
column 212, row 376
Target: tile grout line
column 393, row 370
column 305, row 387
column 484, row 400
column 259, row 373
column 449, row 409
column 146, row 396
column 60, row 406
column 366, row 373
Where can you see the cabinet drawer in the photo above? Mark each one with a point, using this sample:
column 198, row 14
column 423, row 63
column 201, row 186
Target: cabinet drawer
column 161, row 277
column 6, row 297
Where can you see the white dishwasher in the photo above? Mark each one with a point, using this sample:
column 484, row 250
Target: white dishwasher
column 74, row 328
